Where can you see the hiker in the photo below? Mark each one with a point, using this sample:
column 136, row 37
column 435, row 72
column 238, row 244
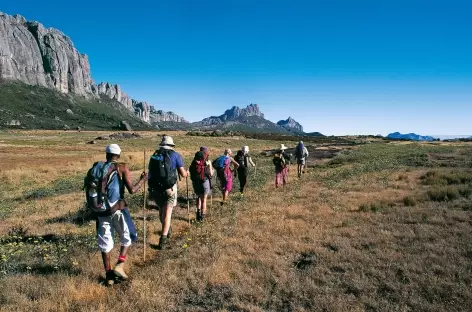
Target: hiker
column 244, row 160
column 301, row 153
column 288, row 160
column 104, row 184
column 164, row 167
column 224, row 172
column 201, row 172
column 280, row 166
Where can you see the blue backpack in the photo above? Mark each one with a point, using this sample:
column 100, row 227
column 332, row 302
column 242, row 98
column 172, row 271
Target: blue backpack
column 219, row 163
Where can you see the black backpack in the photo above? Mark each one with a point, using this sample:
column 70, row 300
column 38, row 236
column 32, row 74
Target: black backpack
column 162, row 176
column 240, row 160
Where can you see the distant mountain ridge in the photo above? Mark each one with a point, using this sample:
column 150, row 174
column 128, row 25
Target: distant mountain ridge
column 409, row 136
column 291, row 125
column 241, row 119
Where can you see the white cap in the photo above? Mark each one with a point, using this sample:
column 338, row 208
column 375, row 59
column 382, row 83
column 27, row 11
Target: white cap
column 113, row 149
column 167, row 140
column 245, row 149
column 282, row 147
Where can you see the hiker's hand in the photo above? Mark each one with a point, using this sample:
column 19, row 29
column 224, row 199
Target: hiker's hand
column 143, row 176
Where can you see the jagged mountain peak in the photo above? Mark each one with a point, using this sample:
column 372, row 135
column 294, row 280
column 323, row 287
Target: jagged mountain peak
column 291, row 125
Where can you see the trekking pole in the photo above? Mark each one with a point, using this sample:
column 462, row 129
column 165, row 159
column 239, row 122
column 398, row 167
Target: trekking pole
column 144, row 211
column 188, row 200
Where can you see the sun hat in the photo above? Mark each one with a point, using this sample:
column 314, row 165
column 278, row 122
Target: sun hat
column 204, row 149
column 167, row 140
column 282, row 147
column 113, row 149
column 228, row 151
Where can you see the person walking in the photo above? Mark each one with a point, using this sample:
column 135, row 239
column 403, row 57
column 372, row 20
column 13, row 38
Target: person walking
column 244, row 160
column 201, row 172
column 224, row 172
column 280, row 166
column 164, row 167
column 105, row 187
column 301, row 154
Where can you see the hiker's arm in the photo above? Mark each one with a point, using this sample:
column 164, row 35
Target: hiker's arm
column 182, row 172
column 179, row 164
column 211, row 167
column 251, row 162
column 128, row 183
column 236, row 165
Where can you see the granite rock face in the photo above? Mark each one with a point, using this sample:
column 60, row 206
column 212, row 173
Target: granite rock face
column 161, row 116
column 36, row 55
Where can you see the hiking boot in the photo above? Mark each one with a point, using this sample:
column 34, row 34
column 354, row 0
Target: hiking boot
column 109, row 278
column 162, row 242
column 119, row 271
column 169, row 233
column 202, row 218
column 199, row 215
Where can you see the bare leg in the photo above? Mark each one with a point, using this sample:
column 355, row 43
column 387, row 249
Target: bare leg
column 106, row 261
column 204, row 203
column 166, row 218
column 124, row 251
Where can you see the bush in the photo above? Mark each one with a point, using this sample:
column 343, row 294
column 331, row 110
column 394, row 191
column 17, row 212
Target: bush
column 409, row 201
column 443, row 194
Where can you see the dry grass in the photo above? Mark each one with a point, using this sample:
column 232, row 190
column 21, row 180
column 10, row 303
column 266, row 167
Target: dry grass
column 360, row 233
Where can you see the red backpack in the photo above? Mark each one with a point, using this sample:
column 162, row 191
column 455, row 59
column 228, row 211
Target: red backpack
column 198, row 172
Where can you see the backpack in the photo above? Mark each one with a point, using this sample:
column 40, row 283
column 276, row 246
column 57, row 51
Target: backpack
column 279, row 161
column 219, row 163
column 96, row 183
column 241, row 160
column 299, row 151
column 198, row 168
column 162, row 175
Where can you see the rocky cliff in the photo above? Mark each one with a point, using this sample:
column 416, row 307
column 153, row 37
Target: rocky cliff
column 157, row 116
column 46, row 57
column 291, row 125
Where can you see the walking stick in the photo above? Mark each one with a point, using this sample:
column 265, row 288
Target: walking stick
column 188, row 200
column 144, row 211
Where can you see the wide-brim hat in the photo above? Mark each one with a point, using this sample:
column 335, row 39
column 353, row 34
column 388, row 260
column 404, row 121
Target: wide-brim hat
column 282, row 147
column 167, row 141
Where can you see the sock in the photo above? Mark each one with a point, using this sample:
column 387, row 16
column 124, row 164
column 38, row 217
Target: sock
column 121, row 259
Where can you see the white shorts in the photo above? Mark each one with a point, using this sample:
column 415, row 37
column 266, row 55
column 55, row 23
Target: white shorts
column 106, row 231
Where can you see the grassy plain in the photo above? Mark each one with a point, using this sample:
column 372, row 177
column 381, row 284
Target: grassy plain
column 380, row 227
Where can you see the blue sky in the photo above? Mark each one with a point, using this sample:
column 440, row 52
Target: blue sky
column 338, row 67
